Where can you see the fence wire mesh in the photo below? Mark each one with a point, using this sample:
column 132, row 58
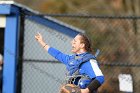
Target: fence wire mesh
column 41, row 72
column 116, row 37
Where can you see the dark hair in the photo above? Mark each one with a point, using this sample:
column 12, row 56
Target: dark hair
column 86, row 41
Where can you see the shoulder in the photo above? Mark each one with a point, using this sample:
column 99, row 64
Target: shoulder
column 93, row 60
column 72, row 55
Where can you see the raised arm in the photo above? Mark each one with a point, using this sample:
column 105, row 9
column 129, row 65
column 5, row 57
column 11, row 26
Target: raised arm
column 52, row 51
column 39, row 38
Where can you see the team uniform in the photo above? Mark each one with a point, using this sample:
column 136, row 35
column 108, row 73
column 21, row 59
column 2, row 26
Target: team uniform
column 83, row 69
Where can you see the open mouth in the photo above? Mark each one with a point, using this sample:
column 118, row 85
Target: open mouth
column 73, row 47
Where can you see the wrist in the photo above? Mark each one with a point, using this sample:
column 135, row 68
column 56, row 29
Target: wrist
column 44, row 45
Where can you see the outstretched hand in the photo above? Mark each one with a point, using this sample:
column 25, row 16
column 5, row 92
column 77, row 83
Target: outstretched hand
column 38, row 37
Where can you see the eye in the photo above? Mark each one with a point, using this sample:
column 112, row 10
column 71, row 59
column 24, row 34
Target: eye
column 75, row 40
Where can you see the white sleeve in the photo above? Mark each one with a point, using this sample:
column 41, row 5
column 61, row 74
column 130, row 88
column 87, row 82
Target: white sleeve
column 95, row 67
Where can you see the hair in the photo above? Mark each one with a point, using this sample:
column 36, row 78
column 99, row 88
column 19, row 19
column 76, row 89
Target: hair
column 86, row 41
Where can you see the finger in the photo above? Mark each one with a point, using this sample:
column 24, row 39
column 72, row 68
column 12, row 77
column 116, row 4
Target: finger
column 38, row 33
column 36, row 36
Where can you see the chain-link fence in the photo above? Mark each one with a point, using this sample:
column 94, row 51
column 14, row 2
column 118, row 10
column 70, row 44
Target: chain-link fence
column 41, row 72
column 116, row 37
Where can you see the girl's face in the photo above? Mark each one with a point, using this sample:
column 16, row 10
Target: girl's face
column 76, row 44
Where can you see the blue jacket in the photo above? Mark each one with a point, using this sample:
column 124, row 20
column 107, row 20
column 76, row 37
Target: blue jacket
column 90, row 68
